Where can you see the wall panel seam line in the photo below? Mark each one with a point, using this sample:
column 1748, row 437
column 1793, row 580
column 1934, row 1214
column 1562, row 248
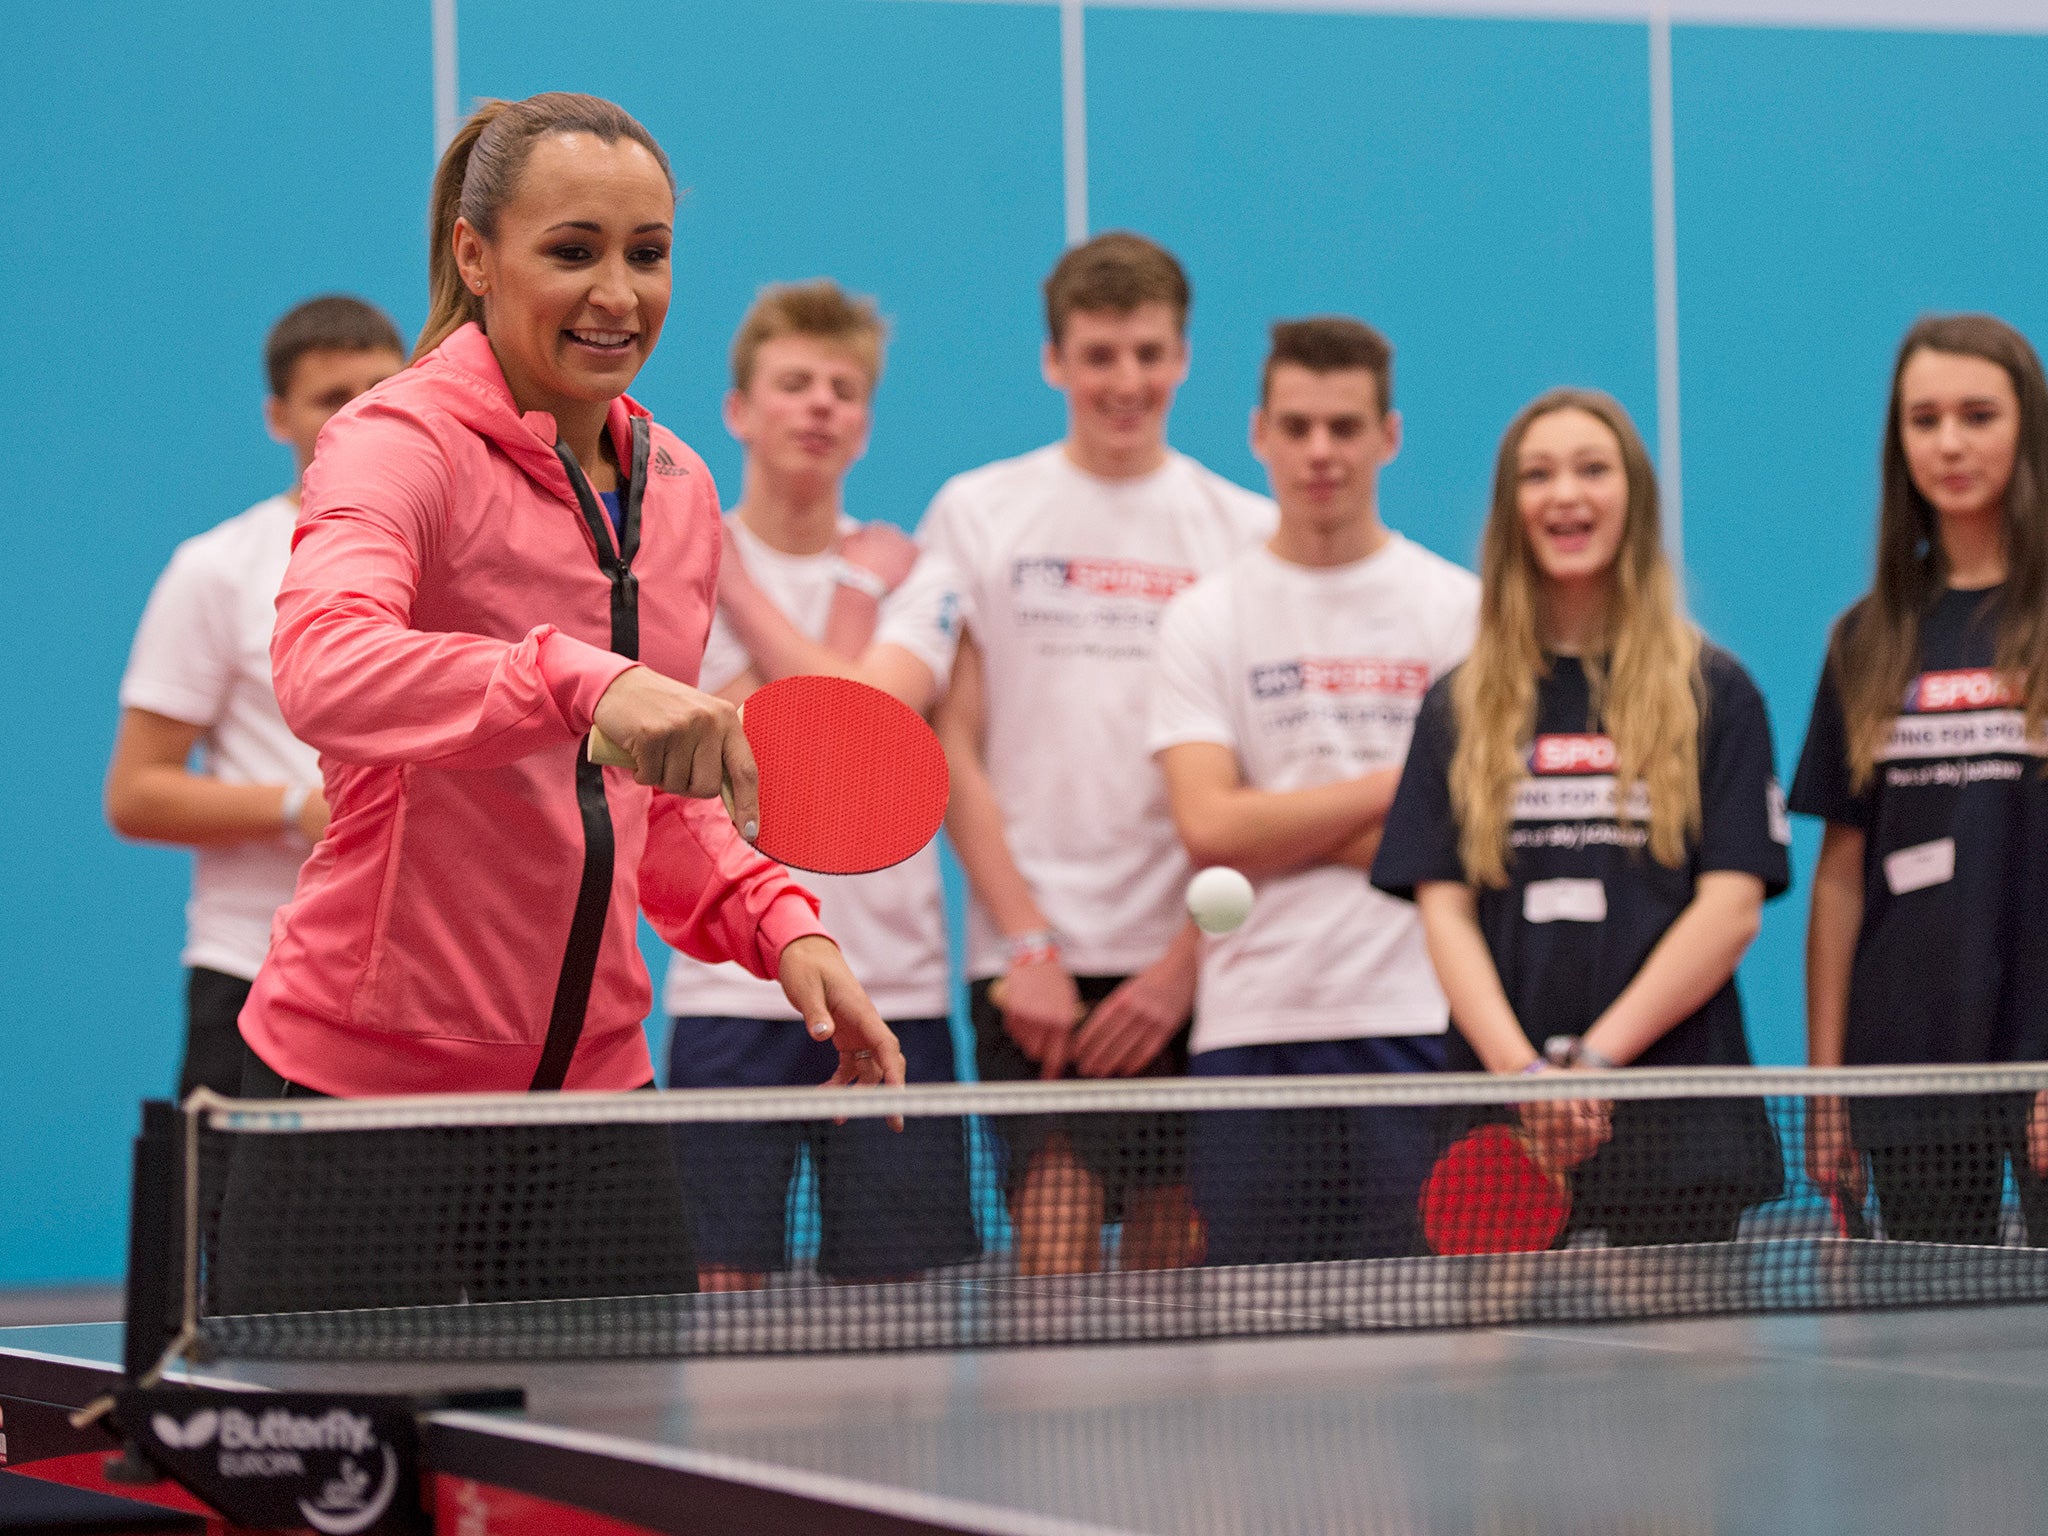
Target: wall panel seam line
column 447, row 80
column 1664, row 255
column 1074, row 117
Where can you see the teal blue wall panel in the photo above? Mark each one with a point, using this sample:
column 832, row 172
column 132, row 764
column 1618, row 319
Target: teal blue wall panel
column 1832, row 186
column 911, row 151
column 1478, row 190
column 180, row 175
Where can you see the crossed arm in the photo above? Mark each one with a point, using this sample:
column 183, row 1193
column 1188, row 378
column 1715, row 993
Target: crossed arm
column 779, row 649
column 1271, row 832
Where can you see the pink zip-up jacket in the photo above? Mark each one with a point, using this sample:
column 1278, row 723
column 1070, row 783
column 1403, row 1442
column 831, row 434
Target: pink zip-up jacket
column 443, row 636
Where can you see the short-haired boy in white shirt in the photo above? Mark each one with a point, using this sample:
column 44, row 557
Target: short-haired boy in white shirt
column 1068, row 556
column 1287, row 690
column 198, row 677
column 803, row 588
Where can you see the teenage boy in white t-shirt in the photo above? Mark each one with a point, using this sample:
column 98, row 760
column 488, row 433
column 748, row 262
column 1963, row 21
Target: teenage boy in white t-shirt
column 199, row 677
column 803, row 588
column 1287, row 689
column 1068, row 556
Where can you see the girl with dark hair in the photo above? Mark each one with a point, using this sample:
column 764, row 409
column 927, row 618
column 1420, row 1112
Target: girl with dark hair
column 1589, row 823
column 1924, row 757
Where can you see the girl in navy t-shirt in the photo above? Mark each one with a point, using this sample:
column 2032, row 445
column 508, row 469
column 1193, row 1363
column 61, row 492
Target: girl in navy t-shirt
column 1927, row 940
column 1589, row 823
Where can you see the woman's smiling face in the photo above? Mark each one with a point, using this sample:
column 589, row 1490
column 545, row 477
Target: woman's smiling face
column 575, row 279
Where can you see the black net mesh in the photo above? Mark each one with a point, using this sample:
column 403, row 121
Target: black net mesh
column 737, row 1222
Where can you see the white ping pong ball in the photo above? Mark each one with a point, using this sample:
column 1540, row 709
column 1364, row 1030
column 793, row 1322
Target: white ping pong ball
column 1219, row 899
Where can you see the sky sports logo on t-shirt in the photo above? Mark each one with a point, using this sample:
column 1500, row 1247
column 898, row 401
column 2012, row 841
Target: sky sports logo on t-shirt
column 1584, row 753
column 1571, row 778
column 1971, row 688
column 1969, row 713
column 1101, row 577
column 1380, row 676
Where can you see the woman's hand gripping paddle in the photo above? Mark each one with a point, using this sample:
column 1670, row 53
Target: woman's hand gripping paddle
column 852, row 780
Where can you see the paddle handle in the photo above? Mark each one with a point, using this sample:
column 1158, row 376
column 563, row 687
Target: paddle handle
column 1559, row 1177
column 607, row 753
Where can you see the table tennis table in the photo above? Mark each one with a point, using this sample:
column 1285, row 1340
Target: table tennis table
column 1930, row 1420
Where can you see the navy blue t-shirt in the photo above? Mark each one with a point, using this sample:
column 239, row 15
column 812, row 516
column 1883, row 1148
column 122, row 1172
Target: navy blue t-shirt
column 1585, row 903
column 1952, row 959
column 613, row 511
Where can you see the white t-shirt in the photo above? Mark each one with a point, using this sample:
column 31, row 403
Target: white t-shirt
column 891, row 924
column 1311, row 676
column 202, row 655
column 1066, row 576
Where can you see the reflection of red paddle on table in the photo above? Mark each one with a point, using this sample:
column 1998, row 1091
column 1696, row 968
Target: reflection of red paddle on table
column 1850, row 1221
column 852, row 780
column 1489, row 1194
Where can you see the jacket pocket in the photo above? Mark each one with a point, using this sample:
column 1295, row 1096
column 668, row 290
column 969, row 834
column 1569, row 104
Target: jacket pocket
column 477, row 906
column 368, row 1005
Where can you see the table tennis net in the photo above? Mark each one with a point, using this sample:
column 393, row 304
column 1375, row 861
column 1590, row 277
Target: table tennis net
column 787, row 1221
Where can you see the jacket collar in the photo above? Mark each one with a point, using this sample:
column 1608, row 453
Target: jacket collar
column 483, row 401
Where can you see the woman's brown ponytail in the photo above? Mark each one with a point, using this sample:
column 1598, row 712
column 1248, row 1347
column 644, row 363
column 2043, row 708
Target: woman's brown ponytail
column 451, row 305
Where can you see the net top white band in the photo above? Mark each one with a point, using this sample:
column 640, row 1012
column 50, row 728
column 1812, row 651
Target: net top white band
column 714, row 1105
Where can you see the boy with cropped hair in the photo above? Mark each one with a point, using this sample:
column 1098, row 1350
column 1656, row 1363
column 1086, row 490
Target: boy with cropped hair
column 1286, row 692
column 1067, row 557
column 198, row 677
column 804, row 588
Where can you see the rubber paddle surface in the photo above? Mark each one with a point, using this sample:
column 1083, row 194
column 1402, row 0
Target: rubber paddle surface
column 1487, row 1195
column 852, row 779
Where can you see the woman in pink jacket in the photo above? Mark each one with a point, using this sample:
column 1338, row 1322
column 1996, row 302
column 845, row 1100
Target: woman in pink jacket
column 496, row 550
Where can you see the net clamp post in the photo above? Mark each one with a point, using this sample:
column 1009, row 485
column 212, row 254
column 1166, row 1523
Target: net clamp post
column 104, row 1404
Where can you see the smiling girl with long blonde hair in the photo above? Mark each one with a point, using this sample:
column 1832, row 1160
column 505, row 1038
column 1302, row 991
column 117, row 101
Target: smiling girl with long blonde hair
column 1589, row 822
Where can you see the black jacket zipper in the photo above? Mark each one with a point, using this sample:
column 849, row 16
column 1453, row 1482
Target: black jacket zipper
column 593, row 895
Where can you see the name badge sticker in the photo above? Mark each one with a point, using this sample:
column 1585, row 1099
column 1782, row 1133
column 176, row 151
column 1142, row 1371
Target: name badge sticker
column 1775, row 814
column 1564, row 901
column 1921, row 866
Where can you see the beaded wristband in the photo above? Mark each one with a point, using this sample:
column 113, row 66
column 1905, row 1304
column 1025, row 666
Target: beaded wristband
column 1034, row 948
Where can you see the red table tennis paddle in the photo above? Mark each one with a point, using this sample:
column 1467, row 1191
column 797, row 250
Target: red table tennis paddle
column 852, row 779
column 1488, row 1194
